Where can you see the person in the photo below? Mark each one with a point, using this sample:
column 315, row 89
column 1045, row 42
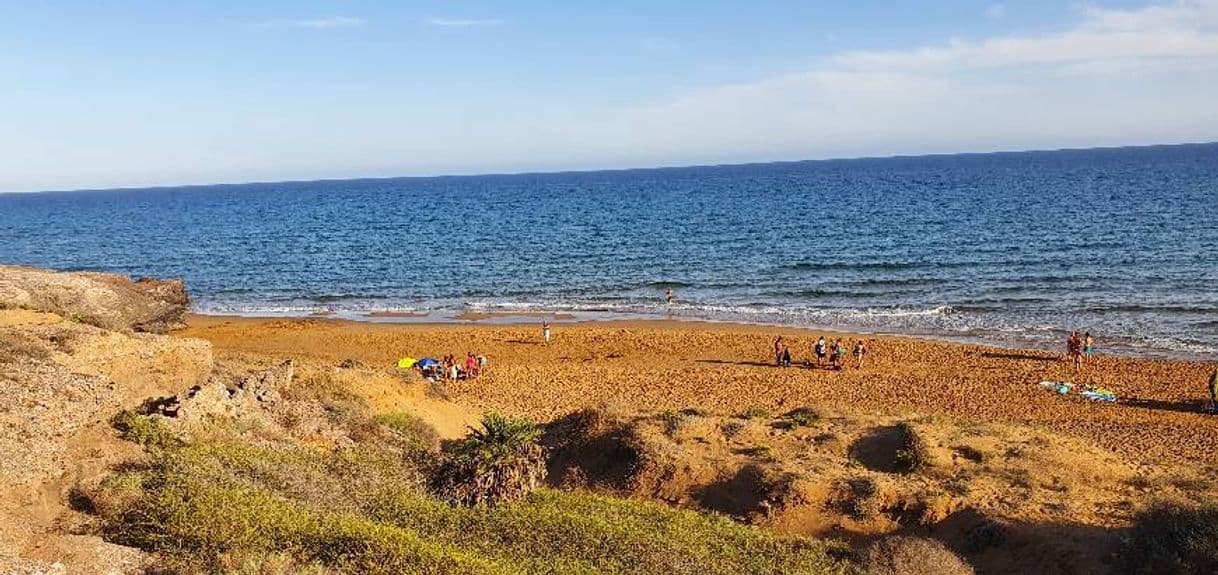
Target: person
column 820, row 350
column 1074, row 349
column 834, row 357
column 841, row 352
column 1088, row 345
column 778, row 347
column 481, row 363
column 1214, row 391
column 670, row 296
column 471, row 365
column 786, row 356
column 860, row 350
column 545, row 332
column 454, row 372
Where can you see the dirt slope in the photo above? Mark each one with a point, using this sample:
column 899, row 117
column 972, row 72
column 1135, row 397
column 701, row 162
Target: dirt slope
column 62, row 381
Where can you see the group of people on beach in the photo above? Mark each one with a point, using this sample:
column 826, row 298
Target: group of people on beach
column 471, row 369
column 831, row 354
column 1079, row 348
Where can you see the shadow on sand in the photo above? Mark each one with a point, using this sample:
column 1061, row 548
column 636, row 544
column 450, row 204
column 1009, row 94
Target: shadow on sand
column 768, row 364
column 1160, row 405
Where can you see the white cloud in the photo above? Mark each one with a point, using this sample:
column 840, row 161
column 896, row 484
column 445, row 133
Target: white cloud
column 1179, row 31
column 328, row 22
column 1112, row 77
column 463, row 22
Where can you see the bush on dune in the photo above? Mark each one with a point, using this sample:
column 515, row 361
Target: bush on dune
column 500, row 461
column 1174, row 539
column 901, row 555
column 231, row 507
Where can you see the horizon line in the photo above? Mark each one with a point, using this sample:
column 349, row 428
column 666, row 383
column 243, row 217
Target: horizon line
column 604, row 170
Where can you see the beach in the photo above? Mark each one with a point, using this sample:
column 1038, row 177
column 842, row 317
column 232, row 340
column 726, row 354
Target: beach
column 729, row 368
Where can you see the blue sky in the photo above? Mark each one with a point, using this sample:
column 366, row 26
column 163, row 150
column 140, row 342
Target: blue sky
column 124, row 93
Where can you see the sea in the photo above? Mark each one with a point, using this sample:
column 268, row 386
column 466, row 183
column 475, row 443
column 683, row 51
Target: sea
column 1012, row 249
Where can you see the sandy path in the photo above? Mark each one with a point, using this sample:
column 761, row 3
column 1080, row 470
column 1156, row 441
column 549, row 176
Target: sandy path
column 662, row 365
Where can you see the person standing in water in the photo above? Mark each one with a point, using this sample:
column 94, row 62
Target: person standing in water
column 545, row 332
column 670, row 296
column 819, row 348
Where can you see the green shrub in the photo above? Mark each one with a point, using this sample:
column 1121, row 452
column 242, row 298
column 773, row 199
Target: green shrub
column 411, row 428
column 673, row 421
column 1173, row 539
column 803, row 417
column 913, row 455
column 756, row 412
column 499, row 461
column 145, row 430
column 231, row 507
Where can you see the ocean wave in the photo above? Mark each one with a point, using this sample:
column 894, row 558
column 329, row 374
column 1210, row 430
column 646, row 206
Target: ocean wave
column 1149, row 308
column 667, row 284
column 834, row 293
column 882, row 266
column 328, row 298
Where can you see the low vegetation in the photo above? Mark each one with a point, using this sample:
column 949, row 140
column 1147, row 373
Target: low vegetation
column 902, row 555
column 500, row 461
column 229, row 506
column 803, row 417
column 913, row 455
column 1173, row 539
column 411, row 429
column 145, row 430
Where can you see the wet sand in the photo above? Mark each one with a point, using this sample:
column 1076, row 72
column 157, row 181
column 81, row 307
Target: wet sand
column 729, row 368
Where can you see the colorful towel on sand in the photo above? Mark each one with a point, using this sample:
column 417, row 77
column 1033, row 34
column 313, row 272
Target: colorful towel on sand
column 1099, row 395
column 1061, row 387
column 1089, row 392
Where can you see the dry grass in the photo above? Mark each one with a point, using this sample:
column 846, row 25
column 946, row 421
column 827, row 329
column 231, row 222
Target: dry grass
column 912, row 556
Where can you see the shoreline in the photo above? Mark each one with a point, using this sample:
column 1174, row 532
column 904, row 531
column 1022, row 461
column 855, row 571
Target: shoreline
column 522, row 318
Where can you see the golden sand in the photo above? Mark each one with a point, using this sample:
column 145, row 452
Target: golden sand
column 729, row 368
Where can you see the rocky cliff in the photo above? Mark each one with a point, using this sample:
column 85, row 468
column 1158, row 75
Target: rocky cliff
column 107, row 301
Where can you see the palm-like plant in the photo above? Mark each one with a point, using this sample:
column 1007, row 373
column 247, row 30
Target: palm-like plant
column 500, row 461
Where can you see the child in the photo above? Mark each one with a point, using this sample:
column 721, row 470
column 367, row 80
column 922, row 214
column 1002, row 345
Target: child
column 860, row 350
column 820, row 350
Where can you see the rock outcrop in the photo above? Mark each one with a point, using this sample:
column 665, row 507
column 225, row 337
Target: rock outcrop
column 62, row 381
column 104, row 300
column 220, row 400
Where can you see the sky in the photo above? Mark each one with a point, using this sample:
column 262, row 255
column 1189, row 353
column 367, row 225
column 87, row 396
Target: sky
column 112, row 93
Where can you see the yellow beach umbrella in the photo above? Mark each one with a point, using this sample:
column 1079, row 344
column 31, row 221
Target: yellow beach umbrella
column 407, row 362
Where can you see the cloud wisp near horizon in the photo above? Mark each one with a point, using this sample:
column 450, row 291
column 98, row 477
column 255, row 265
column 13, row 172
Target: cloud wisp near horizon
column 383, row 98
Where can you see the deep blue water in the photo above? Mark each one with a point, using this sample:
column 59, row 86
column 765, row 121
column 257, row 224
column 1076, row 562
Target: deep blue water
column 1007, row 248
